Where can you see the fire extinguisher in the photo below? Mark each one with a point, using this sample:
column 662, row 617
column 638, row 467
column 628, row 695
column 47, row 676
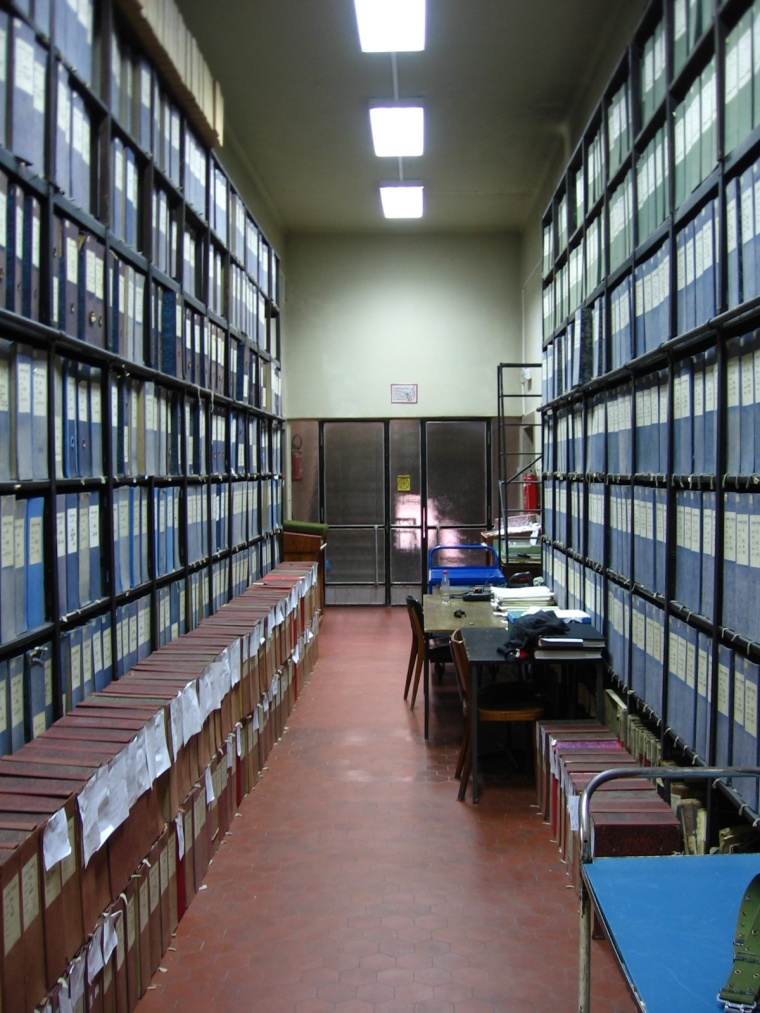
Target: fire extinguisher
column 296, row 459
column 530, row 493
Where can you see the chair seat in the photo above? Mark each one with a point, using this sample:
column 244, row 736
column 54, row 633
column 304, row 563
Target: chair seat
column 509, row 702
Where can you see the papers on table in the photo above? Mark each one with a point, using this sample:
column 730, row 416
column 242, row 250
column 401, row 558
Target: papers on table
column 506, row 598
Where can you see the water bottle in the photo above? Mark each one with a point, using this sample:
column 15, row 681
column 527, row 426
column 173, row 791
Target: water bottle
column 445, row 588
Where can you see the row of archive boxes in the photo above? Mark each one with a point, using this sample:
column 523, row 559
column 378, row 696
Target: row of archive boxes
column 109, row 819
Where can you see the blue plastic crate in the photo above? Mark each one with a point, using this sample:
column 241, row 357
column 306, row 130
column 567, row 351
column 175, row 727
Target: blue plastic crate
column 466, row 576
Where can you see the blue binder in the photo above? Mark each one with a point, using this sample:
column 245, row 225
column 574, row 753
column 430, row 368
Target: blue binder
column 4, row 267
column 638, row 646
column 7, row 464
column 72, row 551
column 704, row 675
column 742, row 606
column 733, row 406
column 118, row 187
column 84, row 446
column 71, row 667
column 729, row 561
column 19, row 564
column 143, row 629
column 710, row 411
column 39, row 415
column 17, row 703
column 746, row 197
column 654, row 657
column 662, row 426
column 7, row 569
column 724, row 706
column 106, row 634
column 96, row 421
column 130, row 196
column 38, row 690
column 60, row 543
column 707, row 603
column 80, row 152
column 26, row 124
column 95, row 589
column 14, row 246
column 87, row 670
column 682, row 681
column 733, row 232
column 748, row 345
column 30, row 254
column 125, row 536
column 682, row 420
column 22, row 404
column 94, row 324
column 745, row 752
column 144, row 86
column 35, row 563
column 70, row 279
column 4, row 711
column 3, row 83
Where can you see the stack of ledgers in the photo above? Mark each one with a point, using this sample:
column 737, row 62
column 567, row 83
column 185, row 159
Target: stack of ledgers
column 628, row 816
column 109, row 819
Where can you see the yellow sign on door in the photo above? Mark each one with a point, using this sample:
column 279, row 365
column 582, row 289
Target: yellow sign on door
column 403, row 483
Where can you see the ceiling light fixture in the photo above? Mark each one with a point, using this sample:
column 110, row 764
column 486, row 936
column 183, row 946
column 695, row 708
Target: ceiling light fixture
column 391, row 26
column 398, row 131
column 401, row 200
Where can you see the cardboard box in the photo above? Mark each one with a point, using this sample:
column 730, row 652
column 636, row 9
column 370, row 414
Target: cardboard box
column 185, row 864
column 11, row 935
column 142, row 899
column 171, row 853
column 200, row 835
column 62, row 927
column 129, row 904
column 23, row 975
column 154, row 910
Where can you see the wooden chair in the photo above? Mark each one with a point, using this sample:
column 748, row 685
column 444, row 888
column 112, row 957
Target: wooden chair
column 501, row 702
column 438, row 651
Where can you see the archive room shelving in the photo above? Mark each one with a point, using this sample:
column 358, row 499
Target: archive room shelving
column 651, row 382
column 139, row 360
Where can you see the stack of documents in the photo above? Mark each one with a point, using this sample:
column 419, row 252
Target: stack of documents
column 506, row 599
column 569, row 615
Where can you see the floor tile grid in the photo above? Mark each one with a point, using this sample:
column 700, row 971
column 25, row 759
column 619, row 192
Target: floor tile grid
column 353, row 881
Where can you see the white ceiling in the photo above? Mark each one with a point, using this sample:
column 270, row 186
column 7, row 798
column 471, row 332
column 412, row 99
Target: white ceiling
column 500, row 81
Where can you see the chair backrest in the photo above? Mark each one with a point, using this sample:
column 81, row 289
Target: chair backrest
column 461, row 667
column 414, row 608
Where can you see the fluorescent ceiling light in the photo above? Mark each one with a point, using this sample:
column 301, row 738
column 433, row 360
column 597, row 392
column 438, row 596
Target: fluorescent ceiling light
column 391, row 26
column 401, row 200
column 397, row 131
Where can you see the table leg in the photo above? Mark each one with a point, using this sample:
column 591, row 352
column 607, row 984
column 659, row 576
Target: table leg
column 425, row 685
column 474, row 679
column 584, row 950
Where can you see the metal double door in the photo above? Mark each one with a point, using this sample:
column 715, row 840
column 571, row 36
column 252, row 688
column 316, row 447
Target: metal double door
column 390, row 490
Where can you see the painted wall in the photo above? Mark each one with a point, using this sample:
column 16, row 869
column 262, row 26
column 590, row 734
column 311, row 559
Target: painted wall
column 363, row 312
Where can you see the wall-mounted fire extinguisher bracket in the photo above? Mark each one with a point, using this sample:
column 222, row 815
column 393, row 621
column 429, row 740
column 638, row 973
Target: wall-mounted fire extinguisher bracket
column 296, row 459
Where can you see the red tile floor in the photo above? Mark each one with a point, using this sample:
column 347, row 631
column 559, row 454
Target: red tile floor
column 353, row 881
